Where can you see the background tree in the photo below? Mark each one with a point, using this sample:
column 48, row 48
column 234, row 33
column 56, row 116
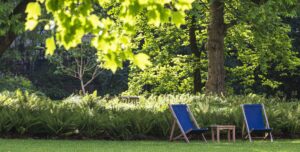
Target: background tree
column 80, row 63
column 25, row 61
column 177, row 54
column 260, row 52
column 245, row 59
column 215, row 48
column 197, row 22
column 260, row 41
column 251, row 14
column 167, row 48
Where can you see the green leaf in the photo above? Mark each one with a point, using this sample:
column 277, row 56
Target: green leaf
column 31, row 24
column 111, row 64
column 54, row 5
column 94, row 21
column 153, row 17
column 95, row 93
column 33, row 10
column 50, row 46
column 141, row 60
column 178, row 18
column 104, row 2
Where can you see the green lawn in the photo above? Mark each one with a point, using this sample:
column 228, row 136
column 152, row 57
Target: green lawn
column 28, row 145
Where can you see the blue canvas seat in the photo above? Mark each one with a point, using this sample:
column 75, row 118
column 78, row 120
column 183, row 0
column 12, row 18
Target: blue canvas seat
column 256, row 120
column 185, row 121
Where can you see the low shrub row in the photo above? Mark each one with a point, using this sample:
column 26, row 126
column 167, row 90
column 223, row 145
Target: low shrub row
column 26, row 114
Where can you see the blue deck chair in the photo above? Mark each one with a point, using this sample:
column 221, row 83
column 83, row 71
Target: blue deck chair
column 256, row 120
column 185, row 121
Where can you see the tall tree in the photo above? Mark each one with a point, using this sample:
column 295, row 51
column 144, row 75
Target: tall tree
column 215, row 48
column 197, row 55
column 256, row 16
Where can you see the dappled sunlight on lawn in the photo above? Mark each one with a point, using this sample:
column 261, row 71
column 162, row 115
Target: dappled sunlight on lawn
column 296, row 142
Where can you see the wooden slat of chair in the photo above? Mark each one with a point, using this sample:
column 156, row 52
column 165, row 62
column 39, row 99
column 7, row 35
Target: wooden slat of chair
column 172, row 130
column 267, row 122
column 177, row 137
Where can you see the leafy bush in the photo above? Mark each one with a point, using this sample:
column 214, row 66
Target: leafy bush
column 12, row 83
column 174, row 77
column 90, row 116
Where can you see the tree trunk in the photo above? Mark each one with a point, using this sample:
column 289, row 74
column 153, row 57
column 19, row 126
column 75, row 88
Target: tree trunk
column 82, row 86
column 215, row 49
column 6, row 40
column 197, row 54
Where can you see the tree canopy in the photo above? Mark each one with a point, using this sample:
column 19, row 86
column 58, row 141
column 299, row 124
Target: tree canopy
column 111, row 32
column 226, row 46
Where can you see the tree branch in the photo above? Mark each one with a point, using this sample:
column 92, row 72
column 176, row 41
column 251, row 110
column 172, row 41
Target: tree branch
column 95, row 74
column 6, row 40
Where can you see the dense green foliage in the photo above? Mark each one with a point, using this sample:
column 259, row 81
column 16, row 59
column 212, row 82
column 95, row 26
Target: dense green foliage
column 258, row 51
column 261, row 45
column 25, row 114
column 145, row 146
column 111, row 37
column 9, row 22
column 260, row 57
column 12, row 83
column 171, row 77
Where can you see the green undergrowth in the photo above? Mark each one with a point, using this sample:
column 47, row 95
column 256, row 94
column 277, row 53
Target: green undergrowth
column 26, row 114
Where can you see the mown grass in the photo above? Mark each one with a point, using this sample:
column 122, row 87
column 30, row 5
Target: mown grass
column 30, row 145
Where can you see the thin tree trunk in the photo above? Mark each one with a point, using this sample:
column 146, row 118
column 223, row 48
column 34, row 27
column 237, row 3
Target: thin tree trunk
column 215, row 49
column 197, row 54
column 82, row 86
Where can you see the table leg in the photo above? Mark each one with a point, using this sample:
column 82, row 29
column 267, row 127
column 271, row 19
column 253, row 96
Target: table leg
column 218, row 134
column 233, row 134
column 228, row 135
column 213, row 134
column 243, row 128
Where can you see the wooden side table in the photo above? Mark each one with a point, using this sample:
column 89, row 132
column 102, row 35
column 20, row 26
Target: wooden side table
column 230, row 129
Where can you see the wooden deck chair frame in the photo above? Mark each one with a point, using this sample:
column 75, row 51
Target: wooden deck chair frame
column 248, row 129
column 183, row 134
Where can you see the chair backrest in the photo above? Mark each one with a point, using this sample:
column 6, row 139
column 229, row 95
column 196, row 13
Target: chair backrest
column 254, row 115
column 182, row 114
